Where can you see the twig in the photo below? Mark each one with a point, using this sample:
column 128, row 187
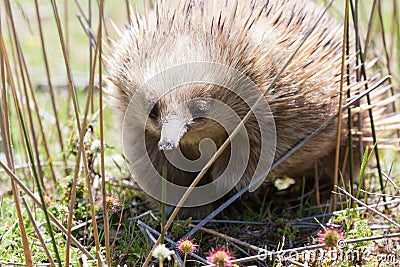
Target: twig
column 102, row 161
column 229, row 238
column 391, row 181
column 51, row 89
column 378, row 194
column 339, row 121
column 233, row 222
column 46, row 250
column 397, row 201
column 368, row 207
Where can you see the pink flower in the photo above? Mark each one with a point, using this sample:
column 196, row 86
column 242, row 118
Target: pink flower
column 220, row 257
column 330, row 236
column 186, row 245
column 112, row 203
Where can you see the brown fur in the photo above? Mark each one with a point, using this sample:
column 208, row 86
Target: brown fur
column 256, row 38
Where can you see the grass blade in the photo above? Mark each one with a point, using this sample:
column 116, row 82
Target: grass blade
column 339, row 122
column 48, row 76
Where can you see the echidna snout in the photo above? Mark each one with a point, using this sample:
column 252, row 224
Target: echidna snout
column 173, row 129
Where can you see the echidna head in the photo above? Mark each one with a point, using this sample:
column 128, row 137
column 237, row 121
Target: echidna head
column 177, row 115
column 187, row 113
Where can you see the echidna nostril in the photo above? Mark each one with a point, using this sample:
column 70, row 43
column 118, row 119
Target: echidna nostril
column 166, row 145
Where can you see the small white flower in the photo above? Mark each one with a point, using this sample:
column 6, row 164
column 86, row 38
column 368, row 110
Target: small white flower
column 95, row 147
column 161, row 252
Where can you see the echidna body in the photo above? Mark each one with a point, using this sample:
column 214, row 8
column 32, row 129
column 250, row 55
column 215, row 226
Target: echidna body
column 254, row 37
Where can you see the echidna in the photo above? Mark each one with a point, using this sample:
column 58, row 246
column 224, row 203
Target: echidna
column 166, row 117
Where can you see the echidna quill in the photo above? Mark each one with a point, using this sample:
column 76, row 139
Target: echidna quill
column 184, row 74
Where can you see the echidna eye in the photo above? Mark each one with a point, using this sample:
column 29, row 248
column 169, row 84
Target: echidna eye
column 154, row 112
